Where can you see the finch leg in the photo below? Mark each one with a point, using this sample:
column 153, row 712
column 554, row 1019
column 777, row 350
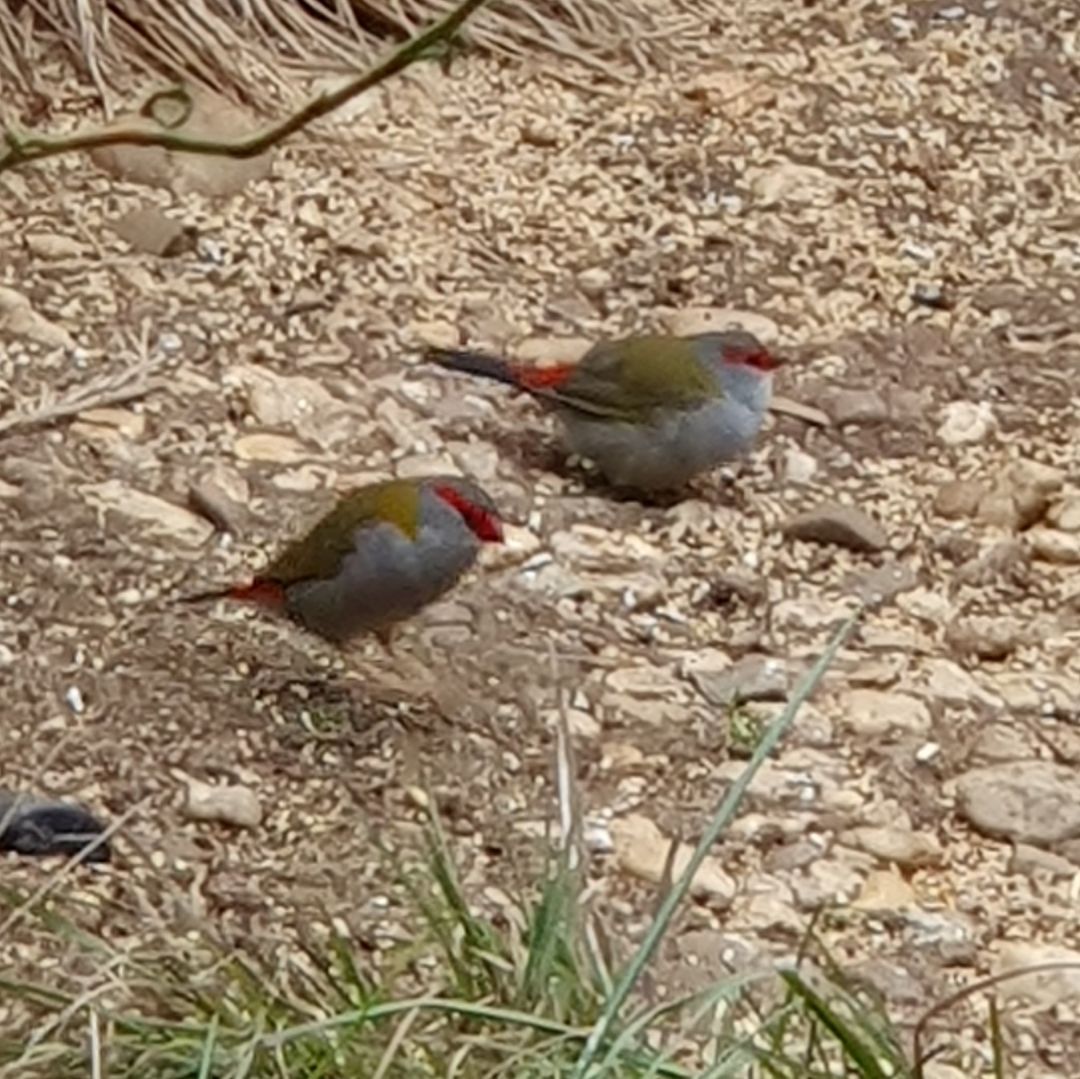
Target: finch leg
column 385, row 637
column 731, row 491
column 406, row 672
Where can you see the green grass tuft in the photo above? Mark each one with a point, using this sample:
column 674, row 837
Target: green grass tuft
column 530, row 994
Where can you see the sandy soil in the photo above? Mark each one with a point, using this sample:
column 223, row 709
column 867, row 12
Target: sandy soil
column 888, row 191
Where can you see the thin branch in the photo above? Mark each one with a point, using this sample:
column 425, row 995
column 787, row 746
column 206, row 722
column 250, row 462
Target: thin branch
column 23, row 148
column 970, row 989
column 785, row 406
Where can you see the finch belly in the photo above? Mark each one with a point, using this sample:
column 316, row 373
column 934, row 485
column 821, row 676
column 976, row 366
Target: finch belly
column 384, row 580
column 666, row 452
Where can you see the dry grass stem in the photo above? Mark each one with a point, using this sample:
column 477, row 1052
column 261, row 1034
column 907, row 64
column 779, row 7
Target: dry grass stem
column 23, row 148
column 133, row 382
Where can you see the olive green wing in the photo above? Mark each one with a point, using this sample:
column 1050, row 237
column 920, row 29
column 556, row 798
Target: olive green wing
column 626, row 380
column 318, row 554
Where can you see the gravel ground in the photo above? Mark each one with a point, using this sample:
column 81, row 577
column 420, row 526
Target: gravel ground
column 890, row 192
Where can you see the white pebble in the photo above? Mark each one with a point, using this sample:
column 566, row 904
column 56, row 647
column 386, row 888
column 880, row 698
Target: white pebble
column 920, row 252
column 597, row 838
column 231, row 804
column 965, row 422
column 798, row 467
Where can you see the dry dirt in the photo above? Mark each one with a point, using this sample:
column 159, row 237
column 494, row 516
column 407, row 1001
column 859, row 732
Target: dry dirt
column 890, row 191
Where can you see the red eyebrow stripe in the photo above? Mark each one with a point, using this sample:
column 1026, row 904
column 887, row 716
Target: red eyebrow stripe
column 762, row 359
column 542, row 378
column 486, row 526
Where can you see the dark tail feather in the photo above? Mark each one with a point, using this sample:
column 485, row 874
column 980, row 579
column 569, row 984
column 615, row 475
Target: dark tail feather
column 265, row 593
column 206, row 597
column 484, row 364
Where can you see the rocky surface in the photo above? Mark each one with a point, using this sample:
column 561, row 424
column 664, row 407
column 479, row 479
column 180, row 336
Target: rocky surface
column 170, row 411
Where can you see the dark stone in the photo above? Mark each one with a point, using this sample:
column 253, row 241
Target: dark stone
column 38, row 828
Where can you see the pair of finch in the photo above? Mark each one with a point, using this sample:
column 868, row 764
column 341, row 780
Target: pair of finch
column 651, row 412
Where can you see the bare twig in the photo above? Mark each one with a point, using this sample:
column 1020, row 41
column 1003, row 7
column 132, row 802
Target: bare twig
column 921, row 1057
column 785, row 406
column 408, row 1020
column 571, row 840
column 113, row 389
column 22, row 148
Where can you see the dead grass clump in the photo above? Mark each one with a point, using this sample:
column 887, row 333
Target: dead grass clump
column 262, row 51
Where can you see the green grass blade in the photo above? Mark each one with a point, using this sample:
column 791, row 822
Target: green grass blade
column 863, row 1056
column 723, row 816
column 873, row 1023
column 550, row 927
column 207, row 1061
column 740, row 1054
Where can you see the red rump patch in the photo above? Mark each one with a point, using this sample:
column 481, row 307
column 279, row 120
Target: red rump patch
column 484, row 524
column 542, row 378
column 262, row 592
